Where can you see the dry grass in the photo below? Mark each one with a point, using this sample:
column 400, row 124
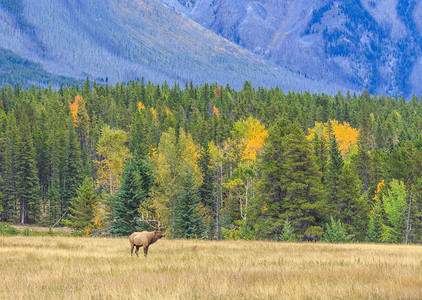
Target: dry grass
column 102, row 268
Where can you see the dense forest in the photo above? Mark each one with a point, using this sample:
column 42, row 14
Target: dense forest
column 212, row 162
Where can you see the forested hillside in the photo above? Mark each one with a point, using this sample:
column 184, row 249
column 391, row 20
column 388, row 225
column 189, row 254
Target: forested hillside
column 360, row 44
column 64, row 41
column 273, row 165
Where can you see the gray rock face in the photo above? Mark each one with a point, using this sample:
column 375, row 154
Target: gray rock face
column 363, row 44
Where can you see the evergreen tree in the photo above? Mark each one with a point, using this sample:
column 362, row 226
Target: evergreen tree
column 9, row 189
column 336, row 233
column 188, row 216
column 72, row 167
column 27, row 184
column 415, row 232
column 321, row 155
column 132, row 196
column 376, row 215
column 353, row 209
column 395, row 205
column 332, row 182
column 362, row 159
column 140, row 140
column 81, row 207
column 290, row 184
column 206, row 190
column 288, row 233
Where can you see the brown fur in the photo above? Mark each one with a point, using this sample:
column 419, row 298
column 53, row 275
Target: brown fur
column 144, row 239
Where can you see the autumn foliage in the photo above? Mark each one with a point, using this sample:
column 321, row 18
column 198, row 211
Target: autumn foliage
column 78, row 106
column 346, row 136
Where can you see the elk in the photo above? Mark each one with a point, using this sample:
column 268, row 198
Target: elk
column 145, row 238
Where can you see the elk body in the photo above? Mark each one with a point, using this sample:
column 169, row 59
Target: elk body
column 145, row 238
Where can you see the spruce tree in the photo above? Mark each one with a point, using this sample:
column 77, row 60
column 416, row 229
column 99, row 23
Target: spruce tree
column 9, row 185
column 133, row 195
column 291, row 183
column 81, row 207
column 332, row 182
column 353, row 209
column 72, row 167
column 27, row 184
column 188, row 217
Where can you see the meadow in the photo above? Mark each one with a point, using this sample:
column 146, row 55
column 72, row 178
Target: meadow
column 102, row 268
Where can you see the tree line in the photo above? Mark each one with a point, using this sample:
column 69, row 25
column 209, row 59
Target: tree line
column 212, row 162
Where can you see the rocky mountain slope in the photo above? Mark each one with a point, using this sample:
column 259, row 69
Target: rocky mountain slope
column 112, row 41
column 362, row 44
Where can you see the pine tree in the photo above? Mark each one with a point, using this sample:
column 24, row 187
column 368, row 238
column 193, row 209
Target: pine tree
column 206, row 190
column 288, row 233
column 72, row 167
column 290, row 184
column 332, row 182
column 82, row 207
column 321, row 155
column 353, row 209
column 140, row 141
column 336, row 233
column 27, row 184
column 9, row 189
column 376, row 216
column 188, row 215
column 133, row 196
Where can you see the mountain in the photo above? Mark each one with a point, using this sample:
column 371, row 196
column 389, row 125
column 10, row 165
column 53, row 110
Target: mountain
column 116, row 41
column 361, row 44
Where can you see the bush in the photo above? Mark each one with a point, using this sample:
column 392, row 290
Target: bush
column 8, row 230
column 336, row 233
column 242, row 233
column 26, row 232
column 288, row 234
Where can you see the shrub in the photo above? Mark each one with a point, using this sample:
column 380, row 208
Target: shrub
column 336, row 233
column 288, row 234
column 8, row 230
column 242, row 233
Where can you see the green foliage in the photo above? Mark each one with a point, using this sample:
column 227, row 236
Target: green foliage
column 395, row 207
column 27, row 183
column 188, row 214
column 243, row 232
column 7, row 230
column 336, row 233
column 72, row 168
column 291, row 183
column 288, row 232
column 333, row 177
column 178, row 129
column 81, row 208
column 376, row 222
column 132, row 197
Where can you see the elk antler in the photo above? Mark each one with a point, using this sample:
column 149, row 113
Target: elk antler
column 148, row 222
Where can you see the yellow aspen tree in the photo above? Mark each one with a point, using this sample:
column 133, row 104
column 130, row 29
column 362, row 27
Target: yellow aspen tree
column 112, row 154
column 346, row 136
column 171, row 159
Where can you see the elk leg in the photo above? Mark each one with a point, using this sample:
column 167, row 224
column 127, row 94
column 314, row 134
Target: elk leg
column 131, row 249
column 145, row 251
column 136, row 251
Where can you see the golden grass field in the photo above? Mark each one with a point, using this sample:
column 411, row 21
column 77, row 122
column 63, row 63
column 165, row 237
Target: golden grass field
column 102, row 268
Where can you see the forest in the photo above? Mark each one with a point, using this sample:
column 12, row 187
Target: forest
column 212, row 162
